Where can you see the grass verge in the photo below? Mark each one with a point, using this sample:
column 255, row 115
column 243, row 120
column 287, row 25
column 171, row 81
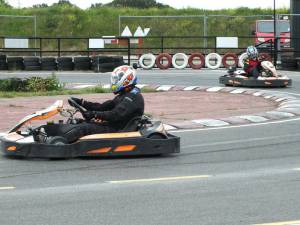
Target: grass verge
column 94, row 90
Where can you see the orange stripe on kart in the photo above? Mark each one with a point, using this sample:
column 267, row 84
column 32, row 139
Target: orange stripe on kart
column 125, row 148
column 99, row 150
column 12, row 148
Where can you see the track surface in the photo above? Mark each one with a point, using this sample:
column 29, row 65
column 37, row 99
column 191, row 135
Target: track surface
column 234, row 175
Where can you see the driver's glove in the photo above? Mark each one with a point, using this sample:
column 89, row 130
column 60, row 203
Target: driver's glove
column 79, row 101
column 88, row 115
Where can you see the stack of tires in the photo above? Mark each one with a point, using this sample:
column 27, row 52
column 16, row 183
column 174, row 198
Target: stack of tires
column 3, row 63
column 289, row 63
column 106, row 63
column 65, row 63
column 48, row 63
column 32, row 63
column 82, row 63
column 15, row 63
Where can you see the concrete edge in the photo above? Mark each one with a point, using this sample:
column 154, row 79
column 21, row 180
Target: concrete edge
column 288, row 105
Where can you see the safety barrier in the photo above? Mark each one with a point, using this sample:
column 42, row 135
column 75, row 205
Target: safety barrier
column 212, row 60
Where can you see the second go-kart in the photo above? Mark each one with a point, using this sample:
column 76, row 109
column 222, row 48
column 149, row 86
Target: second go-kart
column 141, row 136
column 269, row 78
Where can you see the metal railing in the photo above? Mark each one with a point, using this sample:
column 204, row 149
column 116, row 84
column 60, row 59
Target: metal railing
column 128, row 46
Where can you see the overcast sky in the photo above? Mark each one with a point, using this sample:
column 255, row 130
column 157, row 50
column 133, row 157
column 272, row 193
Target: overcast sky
column 204, row 4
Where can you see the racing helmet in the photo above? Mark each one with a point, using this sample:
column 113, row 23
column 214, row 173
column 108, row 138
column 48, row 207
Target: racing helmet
column 122, row 77
column 252, row 52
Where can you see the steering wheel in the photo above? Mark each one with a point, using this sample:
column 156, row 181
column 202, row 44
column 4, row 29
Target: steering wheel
column 77, row 106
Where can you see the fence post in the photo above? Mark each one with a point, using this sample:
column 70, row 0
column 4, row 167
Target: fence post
column 129, row 50
column 58, row 46
column 41, row 46
column 162, row 44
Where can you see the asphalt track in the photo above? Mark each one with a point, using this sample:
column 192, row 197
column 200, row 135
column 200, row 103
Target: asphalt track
column 223, row 176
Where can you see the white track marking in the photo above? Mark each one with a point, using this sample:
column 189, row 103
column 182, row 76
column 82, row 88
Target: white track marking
column 7, row 188
column 235, row 126
column 159, row 179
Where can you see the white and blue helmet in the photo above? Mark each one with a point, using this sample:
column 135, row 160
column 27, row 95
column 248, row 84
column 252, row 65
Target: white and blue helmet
column 252, row 52
column 122, row 77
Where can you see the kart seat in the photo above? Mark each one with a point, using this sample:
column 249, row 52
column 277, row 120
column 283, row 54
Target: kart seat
column 133, row 124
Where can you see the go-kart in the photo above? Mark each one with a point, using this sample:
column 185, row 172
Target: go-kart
column 141, row 136
column 268, row 78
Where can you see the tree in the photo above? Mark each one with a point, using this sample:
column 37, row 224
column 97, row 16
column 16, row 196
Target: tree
column 136, row 4
column 96, row 5
column 43, row 5
column 5, row 4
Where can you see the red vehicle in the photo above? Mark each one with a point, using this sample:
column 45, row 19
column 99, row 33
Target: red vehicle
column 264, row 31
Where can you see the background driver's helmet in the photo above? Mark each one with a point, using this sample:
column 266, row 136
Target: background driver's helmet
column 252, row 52
column 122, row 77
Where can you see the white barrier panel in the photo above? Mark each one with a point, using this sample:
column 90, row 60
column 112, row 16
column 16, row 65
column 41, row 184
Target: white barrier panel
column 96, row 43
column 16, row 43
column 227, row 42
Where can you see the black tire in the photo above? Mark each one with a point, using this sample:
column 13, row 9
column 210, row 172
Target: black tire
column 15, row 59
column 65, row 60
column 31, row 60
column 65, row 66
column 49, row 68
column 82, row 59
column 15, row 66
column 48, row 64
column 82, row 66
column 32, row 68
column 3, row 57
column 56, row 140
column 31, row 63
column 48, row 60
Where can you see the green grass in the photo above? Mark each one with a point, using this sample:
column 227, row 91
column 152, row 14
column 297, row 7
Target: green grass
column 95, row 90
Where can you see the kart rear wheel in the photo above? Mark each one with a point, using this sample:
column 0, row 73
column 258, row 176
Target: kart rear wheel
column 56, row 140
column 157, row 136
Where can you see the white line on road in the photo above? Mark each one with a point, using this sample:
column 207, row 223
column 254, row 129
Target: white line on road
column 159, row 179
column 6, row 188
column 297, row 169
column 282, row 223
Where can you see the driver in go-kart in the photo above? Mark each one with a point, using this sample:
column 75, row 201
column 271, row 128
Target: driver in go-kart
column 252, row 64
column 113, row 114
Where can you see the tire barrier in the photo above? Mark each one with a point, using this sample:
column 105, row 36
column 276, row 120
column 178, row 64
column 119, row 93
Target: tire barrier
column 232, row 56
column 3, row 63
column 65, row 63
column 15, row 63
column 144, row 57
column 242, row 58
column 288, row 63
column 161, row 56
column 82, row 63
column 106, row 63
column 32, row 63
column 48, row 63
column 178, row 56
column 215, row 56
column 195, row 56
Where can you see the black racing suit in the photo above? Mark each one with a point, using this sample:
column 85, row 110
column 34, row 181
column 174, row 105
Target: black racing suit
column 115, row 114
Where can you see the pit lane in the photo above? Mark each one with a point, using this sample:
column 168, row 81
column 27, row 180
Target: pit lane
column 253, row 177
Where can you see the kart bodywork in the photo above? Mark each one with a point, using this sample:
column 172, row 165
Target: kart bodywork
column 268, row 78
column 147, row 138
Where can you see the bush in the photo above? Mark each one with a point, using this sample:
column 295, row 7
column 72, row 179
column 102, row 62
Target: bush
column 13, row 84
column 39, row 84
column 33, row 84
